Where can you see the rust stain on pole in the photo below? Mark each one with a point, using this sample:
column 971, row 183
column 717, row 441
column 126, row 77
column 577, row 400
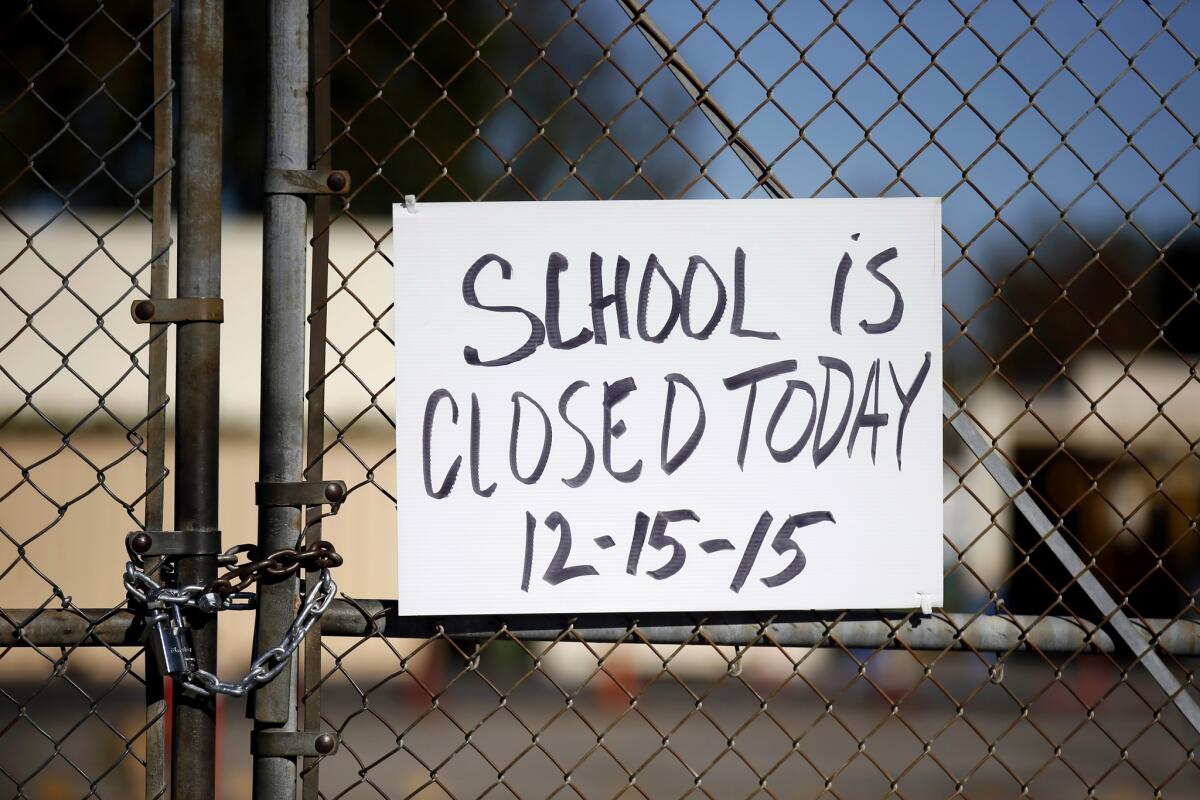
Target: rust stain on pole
column 197, row 390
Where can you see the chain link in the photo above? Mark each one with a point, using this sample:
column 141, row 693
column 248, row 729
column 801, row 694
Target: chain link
column 1062, row 137
column 225, row 593
column 271, row 662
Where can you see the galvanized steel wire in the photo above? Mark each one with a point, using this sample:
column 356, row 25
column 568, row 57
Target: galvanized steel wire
column 85, row 152
column 1060, row 140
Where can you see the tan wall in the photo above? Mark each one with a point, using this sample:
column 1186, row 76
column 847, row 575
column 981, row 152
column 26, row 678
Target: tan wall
column 65, row 316
column 83, row 552
column 69, row 527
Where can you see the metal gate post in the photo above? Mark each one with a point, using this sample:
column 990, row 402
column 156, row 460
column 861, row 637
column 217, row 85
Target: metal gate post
column 281, row 444
column 156, row 398
column 197, row 388
column 318, row 317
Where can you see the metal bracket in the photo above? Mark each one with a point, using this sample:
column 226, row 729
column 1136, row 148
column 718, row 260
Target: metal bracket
column 306, row 181
column 174, row 543
column 301, row 493
column 178, row 309
column 292, row 744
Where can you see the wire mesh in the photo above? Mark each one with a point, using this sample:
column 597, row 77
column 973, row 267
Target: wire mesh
column 1062, row 138
column 81, row 450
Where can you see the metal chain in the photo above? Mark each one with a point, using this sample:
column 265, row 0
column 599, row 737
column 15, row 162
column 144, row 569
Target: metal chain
column 163, row 606
column 271, row 662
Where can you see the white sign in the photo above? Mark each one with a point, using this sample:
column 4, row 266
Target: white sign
column 668, row 405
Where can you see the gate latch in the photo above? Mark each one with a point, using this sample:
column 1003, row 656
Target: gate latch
column 178, row 309
column 174, row 543
column 300, row 493
column 292, row 744
column 306, row 181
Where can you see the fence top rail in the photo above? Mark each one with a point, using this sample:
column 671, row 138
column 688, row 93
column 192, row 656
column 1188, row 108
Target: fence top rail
column 866, row 629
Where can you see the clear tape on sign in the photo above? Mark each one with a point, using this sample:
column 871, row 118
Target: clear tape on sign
column 410, row 203
column 926, row 603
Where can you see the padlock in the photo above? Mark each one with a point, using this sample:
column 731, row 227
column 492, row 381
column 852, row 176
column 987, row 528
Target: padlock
column 172, row 643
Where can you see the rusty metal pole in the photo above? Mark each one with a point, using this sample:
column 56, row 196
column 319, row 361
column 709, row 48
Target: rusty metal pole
column 197, row 386
column 281, row 429
column 319, row 314
column 156, row 411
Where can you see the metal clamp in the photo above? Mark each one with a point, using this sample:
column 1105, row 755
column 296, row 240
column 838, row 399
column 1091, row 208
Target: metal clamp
column 178, row 309
column 301, row 493
column 174, row 543
column 292, row 744
column 306, row 181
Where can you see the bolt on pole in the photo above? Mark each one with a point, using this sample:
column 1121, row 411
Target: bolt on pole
column 281, row 431
column 197, row 388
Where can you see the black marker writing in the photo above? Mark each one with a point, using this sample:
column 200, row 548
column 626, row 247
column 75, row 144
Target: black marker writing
column 654, row 268
column 556, row 266
column 613, row 394
column 685, row 319
column 547, row 439
column 906, row 401
column 537, row 331
column 589, row 454
column 601, row 301
column 862, row 419
column 750, row 378
column 822, row 449
column 558, row 571
column 739, row 300
column 788, row 453
column 427, row 443
column 839, row 293
column 475, row 423
column 669, row 465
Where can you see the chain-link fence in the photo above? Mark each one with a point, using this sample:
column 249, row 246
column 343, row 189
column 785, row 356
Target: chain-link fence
column 85, row 190
column 1062, row 137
